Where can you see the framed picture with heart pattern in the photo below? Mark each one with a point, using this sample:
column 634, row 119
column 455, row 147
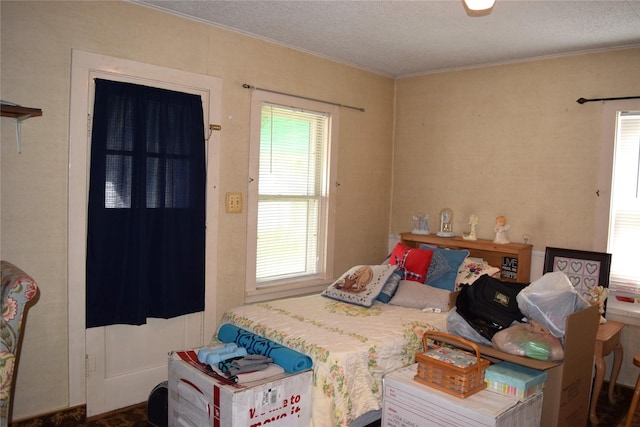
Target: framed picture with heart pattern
column 585, row 269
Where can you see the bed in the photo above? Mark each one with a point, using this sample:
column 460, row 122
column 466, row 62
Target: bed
column 353, row 346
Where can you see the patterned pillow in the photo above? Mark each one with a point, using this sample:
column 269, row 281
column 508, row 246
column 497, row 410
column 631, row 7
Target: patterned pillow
column 471, row 269
column 454, row 258
column 361, row 284
column 413, row 262
column 390, row 287
column 438, row 267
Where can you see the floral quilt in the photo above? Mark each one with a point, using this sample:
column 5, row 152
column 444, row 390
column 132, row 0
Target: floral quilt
column 351, row 346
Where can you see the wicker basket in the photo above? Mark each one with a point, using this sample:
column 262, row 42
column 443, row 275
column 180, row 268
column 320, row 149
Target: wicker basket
column 452, row 371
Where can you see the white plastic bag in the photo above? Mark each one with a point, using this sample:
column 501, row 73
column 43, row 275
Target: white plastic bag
column 457, row 325
column 550, row 300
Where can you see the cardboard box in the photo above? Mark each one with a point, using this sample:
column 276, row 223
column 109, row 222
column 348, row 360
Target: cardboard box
column 568, row 387
column 409, row 403
column 197, row 398
column 514, row 380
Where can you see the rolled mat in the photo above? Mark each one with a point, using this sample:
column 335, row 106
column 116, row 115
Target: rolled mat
column 291, row 360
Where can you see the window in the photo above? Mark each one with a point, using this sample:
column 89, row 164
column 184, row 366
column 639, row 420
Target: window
column 292, row 169
column 624, row 227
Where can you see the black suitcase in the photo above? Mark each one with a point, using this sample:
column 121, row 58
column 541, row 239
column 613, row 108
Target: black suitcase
column 158, row 405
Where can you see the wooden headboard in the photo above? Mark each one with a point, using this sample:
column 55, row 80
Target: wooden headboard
column 513, row 259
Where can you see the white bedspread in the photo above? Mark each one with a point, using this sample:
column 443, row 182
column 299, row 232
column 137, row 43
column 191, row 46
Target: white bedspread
column 352, row 347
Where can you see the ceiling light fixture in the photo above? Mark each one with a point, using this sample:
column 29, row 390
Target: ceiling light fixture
column 479, row 4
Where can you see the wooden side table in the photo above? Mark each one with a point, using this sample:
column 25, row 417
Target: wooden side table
column 607, row 340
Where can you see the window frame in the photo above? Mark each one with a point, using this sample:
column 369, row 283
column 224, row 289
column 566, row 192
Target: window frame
column 604, row 201
column 621, row 283
column 285, row 288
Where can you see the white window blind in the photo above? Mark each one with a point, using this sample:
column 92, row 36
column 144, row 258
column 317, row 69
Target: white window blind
column 624, row 228
column 292, row 189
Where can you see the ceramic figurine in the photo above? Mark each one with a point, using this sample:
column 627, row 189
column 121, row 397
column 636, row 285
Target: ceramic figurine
column 420, row 224
column 597, row 296
column 473, row 222
column 501, row 230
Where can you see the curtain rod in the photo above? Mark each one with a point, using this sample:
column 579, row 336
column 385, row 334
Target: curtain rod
column 583, row 100
column 248, row 86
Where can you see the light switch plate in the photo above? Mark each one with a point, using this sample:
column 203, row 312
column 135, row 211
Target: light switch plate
column 233, row 203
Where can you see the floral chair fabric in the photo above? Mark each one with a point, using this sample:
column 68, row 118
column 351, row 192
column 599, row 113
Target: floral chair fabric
column 17, row 290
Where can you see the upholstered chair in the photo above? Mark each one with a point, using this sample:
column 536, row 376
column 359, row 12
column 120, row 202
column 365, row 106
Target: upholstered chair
column 19, row 291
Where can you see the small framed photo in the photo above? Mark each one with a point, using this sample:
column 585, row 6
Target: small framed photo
column 585, row 269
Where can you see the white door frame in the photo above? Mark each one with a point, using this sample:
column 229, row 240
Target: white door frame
column 83, row 64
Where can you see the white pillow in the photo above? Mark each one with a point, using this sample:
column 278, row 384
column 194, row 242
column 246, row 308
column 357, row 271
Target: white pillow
column 416, row 295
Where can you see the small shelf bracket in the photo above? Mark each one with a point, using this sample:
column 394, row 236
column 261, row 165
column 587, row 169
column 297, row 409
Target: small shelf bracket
column 19, row 121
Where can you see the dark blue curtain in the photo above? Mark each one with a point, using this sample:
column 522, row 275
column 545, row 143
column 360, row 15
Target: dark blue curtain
column 146, row 215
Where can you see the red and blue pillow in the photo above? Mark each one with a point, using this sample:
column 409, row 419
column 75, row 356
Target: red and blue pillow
column 412, row 262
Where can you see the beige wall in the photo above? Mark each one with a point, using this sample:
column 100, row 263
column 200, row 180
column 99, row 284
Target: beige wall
column 509, row 140
column 36, row 43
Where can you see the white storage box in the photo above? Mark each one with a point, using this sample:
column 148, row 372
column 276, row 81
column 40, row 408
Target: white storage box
column 197, row 398
column 407, row 402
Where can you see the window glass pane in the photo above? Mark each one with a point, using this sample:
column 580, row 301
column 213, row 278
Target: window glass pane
column 153, row 185
column 121, row 130
column 117, row 191
column 291, row 151
column 287, row 238
column 174, row 190
column 177, row 189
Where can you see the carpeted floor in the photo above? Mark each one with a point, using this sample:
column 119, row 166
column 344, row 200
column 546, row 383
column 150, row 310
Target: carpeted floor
column 614, row 415
column 133, row 416
column 136, row 415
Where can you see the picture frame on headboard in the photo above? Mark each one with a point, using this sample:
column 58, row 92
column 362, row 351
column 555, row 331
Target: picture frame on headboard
column 585, row 269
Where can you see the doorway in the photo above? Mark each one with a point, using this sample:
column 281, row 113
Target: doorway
column 115, row 366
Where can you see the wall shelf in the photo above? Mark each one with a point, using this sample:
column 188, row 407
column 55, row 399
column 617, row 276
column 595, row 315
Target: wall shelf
column 20, row 114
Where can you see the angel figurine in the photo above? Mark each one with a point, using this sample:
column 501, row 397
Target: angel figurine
column 596, row 295
column 420, row 224
column 501, row 230
column 473, row 222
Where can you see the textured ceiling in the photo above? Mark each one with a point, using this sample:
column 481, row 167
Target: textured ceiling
column 400, row 38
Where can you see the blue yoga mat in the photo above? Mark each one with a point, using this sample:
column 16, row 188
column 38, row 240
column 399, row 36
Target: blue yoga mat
column 291, row 360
